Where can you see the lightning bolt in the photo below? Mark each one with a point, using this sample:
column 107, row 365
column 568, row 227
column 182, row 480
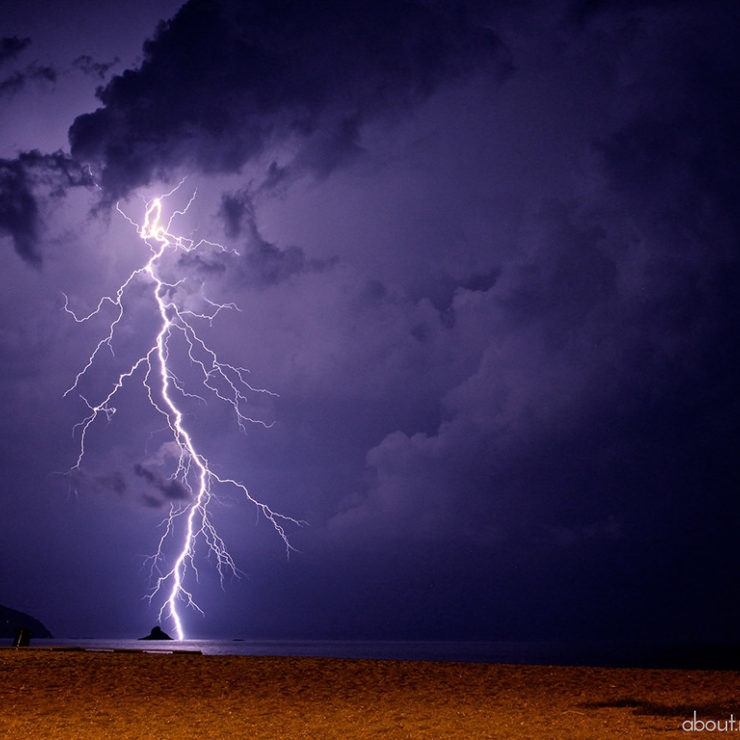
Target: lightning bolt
column 164, row 390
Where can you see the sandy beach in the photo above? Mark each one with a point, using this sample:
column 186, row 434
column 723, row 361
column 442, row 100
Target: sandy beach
column 47, row 694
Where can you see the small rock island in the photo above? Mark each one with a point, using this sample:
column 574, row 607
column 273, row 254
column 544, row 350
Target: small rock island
column 157, row 633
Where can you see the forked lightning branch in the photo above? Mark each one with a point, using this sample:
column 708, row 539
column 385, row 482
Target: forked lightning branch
column 189, row 524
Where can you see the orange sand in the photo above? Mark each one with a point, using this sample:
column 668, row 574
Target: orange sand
column 111, row 695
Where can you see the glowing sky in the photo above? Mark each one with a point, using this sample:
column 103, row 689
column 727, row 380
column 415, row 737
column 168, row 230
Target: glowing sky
column 487, row 259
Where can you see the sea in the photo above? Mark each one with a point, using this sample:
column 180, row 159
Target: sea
column 607, row 654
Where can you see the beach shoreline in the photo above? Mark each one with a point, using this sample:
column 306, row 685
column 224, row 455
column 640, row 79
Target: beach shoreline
column 144, row 695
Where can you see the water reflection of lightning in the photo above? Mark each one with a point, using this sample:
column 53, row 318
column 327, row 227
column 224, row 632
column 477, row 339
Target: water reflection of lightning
column 164, row 389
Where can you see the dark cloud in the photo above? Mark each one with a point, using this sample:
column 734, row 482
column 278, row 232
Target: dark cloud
column 237, row 211
column 12, row 85
column 89, row 66
column 442, row 288
column 11, row 46
column 675, row 165
column 676, row 160
column 170, row 488
column 265, row 263
column 114, row 481
column 19, row 215
column 23, row 181
column 602, row 398
column 270, row 265
column 570, row 275
column 222, row 80
column 33, row 73
column 583, row 11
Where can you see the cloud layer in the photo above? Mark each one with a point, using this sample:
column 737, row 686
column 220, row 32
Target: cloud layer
column 24, row 181
column 223, row 80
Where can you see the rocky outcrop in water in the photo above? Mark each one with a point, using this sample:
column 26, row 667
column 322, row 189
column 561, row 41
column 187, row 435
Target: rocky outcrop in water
column 157, row 633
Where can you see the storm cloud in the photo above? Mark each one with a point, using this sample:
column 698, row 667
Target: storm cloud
column 13, row 84
column 616, row 321
column 89, row 66
column 223, row 80
column 530, row 390
column 488, row 258
column 30, row 177
column 170, row 488
column 12, row 46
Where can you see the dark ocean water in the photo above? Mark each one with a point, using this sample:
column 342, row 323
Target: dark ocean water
column 694, row 656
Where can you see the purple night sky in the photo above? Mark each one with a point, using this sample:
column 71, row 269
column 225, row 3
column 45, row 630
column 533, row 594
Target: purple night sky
column 488, row 259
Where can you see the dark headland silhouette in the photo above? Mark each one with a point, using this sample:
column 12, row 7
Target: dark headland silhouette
column 12, row 620
column 157, row 633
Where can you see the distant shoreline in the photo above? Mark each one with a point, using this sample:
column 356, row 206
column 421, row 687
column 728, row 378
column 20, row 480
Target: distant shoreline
column 696, row 656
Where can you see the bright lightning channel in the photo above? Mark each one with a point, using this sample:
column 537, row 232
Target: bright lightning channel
column 164, row 389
